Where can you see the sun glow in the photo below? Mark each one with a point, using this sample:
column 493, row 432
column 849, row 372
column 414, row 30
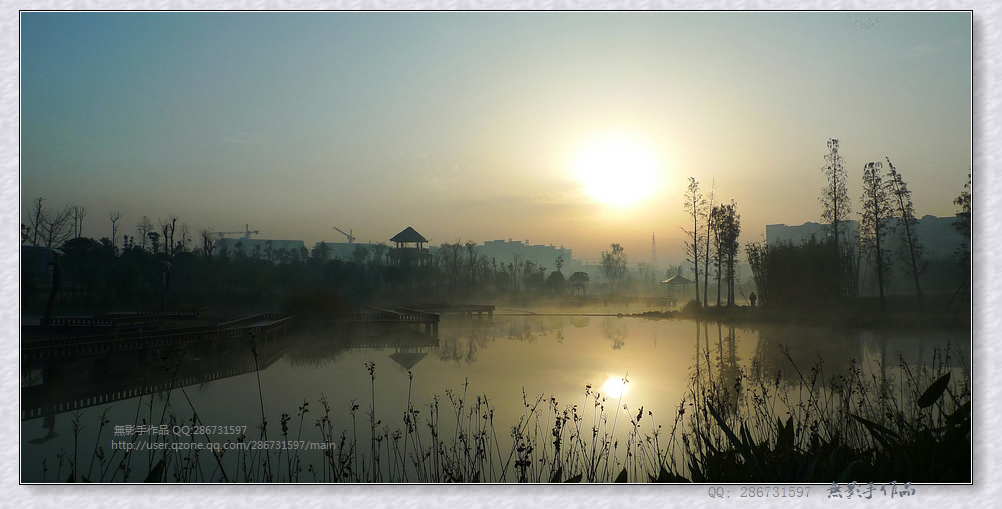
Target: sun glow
column 616, row 387
column 618, row 171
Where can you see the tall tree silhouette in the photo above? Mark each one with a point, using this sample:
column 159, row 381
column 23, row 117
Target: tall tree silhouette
column 835, row 207
column 36, row 224
column 614, row 266
column 731, row 231
column 726, row 226
column 114, row 217
column 695, row 207
column 706, row 243
column 208, row 241
column 963, row 227
column 716, row 221
column 875, row 223
column 912, row 252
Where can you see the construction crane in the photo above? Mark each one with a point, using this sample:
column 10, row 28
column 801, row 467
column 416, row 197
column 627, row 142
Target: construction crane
column 246, row 233
column 351, row 238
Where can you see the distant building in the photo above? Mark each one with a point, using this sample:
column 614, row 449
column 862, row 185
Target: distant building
column 937, row 235
column 796, row 234
column 349, row 251
column 504, row 251
column 267, row 249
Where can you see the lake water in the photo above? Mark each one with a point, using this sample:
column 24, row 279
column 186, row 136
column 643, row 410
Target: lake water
column 509, row 361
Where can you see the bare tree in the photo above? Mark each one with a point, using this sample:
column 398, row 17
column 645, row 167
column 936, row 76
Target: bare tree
column 695, row 206
column 56, row 227
column 875, row 223
column 78, row 213
column 143, row 228
column 173, row 229
column 114, row 217
column 911, row 250
column 36, row 224
column 208, row 241
column 185, row 232
column 448, row 260
column 167, row 227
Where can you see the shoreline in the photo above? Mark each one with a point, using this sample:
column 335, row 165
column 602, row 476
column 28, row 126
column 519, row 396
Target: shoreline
column 836, row 319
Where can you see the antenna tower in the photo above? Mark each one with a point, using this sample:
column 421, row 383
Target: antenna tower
column 654, row 251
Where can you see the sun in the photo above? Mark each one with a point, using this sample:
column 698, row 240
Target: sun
column 616, row 387
column 618, row 171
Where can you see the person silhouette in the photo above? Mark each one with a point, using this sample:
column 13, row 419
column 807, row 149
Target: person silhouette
column 753, row 298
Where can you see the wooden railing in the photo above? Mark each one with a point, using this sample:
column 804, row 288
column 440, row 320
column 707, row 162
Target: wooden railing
column 78, row 321
column 417, row 316
column 102, row 321
column 458, row 309
column 379, row 315
column 179, row 312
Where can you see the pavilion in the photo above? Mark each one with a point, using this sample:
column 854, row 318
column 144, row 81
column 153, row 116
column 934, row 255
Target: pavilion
column 678, row 286
column 410, row 248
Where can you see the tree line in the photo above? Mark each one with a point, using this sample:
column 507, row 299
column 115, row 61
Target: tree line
column 823, row 272
column 712, row 242
column 160, row 264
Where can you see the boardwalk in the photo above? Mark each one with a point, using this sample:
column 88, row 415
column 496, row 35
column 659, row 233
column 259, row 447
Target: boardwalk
column 395, row 315
column 258, row 325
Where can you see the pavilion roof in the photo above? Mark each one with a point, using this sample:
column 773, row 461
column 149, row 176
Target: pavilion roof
column 407, row 359
column 408, row 235
column 677, row 280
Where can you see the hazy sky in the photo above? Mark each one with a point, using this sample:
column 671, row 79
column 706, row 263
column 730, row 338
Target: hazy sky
column 478, row 126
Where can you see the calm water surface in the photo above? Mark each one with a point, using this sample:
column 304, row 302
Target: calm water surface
column 509, row 360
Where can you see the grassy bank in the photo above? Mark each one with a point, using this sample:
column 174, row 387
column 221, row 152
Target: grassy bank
column 862, row 313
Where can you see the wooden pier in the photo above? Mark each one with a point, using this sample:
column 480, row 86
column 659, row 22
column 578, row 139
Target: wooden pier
column 390, row 316
column 463, row 310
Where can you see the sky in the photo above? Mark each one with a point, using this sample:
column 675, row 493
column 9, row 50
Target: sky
column 486, row 125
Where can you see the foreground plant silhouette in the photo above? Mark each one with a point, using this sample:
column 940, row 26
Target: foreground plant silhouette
column 746, row 429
